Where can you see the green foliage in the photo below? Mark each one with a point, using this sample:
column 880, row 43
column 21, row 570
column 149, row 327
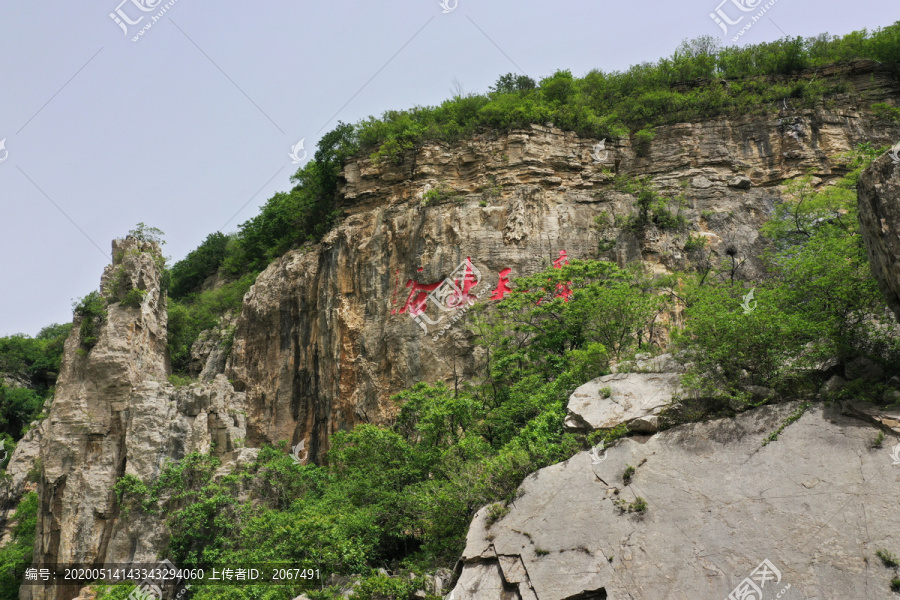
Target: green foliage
column 179, row 381
column 895, row 584
column 92, row 311
column 888, row 559
column 145, row 233
column 678, row 88
column 639, row 505
column 436, row 195
column 195, row 313
column 189, row 273
column 131, row 491
column 818, row 302
column 627, row 474
column 608, row 312
column 886, row 112
column 305, row 213
column 794, row 416
column 133, row 298
column 19, row 549
column 652, row 208
column 879, row 440
column 642, row 140
column 382, row 587
column 34, row 362
column 512, row 84
column 496, row 511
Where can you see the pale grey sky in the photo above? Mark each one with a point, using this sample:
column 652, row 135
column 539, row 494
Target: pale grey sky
column 195, row 120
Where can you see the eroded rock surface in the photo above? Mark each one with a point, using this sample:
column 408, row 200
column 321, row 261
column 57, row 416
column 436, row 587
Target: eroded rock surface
column 114, row 414
column 879, row 216
column 719, row 503
column 635, row 399
column 326, row 337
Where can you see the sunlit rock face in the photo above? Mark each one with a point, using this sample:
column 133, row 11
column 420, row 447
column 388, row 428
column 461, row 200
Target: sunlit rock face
column 329, row 332
column 879, row 215
column 705, row 508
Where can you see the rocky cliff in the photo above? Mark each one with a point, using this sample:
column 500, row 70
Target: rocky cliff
column 114, row 414
column 330, row 331
column 879, row 217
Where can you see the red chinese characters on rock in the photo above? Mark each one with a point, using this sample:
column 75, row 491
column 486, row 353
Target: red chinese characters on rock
column 502, row 285
column 456, row 291
column 562, row 289
column 448, row 294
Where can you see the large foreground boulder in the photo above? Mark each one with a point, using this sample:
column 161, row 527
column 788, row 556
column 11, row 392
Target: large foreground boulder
column 635, row 399
column 879, row 217
column 708, row 509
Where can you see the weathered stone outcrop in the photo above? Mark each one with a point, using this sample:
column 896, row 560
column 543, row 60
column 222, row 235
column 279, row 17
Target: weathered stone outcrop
column 635, row 399
column 114, row 414
column 325, row 336
column 718, row 504
column 879, row 216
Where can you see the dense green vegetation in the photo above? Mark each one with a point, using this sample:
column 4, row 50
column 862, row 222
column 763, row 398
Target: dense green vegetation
column 34, row 364
column 818, row 303
column 200, row 311
column 18, row 551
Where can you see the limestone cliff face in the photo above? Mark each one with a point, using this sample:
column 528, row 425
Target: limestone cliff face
column 115, row 414
column 879, row 216
column 323, row 339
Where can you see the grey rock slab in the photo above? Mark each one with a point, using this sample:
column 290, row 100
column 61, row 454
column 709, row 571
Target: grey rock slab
column 719, row 504
column 635, row 398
